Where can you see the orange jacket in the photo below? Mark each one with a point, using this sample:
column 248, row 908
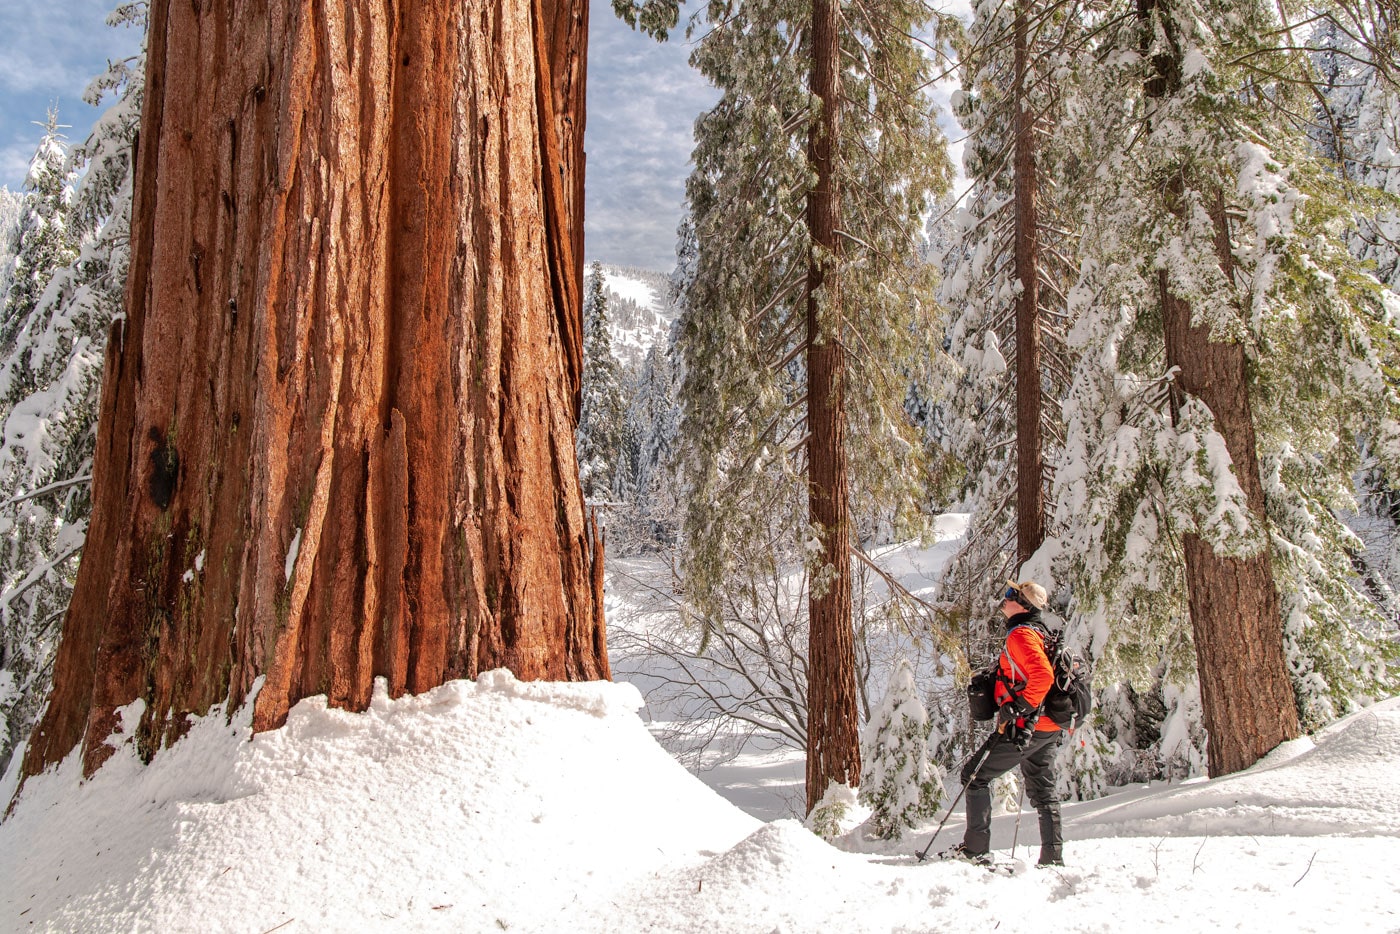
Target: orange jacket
column 1027, row 668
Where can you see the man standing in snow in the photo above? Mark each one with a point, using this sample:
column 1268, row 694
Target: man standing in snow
column 1023, row 736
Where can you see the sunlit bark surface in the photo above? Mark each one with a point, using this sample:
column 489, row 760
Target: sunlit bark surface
column 337, row 429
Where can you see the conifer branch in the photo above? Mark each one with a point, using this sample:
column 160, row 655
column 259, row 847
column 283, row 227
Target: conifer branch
column 50, row 488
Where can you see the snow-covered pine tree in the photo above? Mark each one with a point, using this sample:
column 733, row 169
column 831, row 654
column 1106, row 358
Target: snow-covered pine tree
column 1005, row 280
column 652, row 421
column 51, row 377
column 898, row 782
column 601, row 416
column 1358, row 123
column 44, row 244
column 31, row 554
column 1201, row 191
column 1358, row 131
column 753, row 317
column 828, row 817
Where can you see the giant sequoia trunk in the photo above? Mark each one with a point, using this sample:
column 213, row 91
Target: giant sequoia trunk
column 1246, row 698
column 337, row 428
column 833, row 745
column 1030, row 495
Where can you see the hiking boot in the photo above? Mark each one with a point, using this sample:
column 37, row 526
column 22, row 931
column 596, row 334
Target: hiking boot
column 961, row 852
column 1049, row 862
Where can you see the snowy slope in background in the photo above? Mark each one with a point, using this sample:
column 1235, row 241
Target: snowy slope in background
column 498, row 805
column 1342, row 781
column 639, row 310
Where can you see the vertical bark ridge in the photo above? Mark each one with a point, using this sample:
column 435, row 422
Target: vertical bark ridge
column 1030, row 495
column 565, row 269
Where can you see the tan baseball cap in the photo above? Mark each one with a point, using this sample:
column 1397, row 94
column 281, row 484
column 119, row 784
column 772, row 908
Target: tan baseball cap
column 1034, row 593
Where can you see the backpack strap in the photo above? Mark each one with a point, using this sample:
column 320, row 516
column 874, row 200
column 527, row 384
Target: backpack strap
column 1045, row 639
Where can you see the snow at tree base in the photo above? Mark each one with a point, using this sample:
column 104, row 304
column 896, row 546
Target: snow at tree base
column 502, row 805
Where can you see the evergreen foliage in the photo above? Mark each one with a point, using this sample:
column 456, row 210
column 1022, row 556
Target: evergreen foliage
column 1137, row 471
column 981, row 283
column 630, row 414
column 601, row 428
column 1358, row 131
column 71, row 274
column 11, row 211
column 835, row 806
column 44, row 243
column 651, row 424
column 742, row 330
column 898, row 782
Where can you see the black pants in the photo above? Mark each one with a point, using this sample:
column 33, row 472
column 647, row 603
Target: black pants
column 1037, row 762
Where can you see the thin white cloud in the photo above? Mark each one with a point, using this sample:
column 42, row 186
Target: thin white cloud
column 643, row 98
column 58, row 47
column 14, row 164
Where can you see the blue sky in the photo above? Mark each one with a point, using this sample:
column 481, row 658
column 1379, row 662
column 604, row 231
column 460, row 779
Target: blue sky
column 49, row 51
column 642, row 100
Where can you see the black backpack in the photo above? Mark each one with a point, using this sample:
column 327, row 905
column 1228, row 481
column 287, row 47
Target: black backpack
column 981, row 694
column 1069, row 699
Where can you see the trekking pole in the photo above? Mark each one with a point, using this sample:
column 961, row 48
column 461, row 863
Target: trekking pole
column 981, row 755
column 1020, row 803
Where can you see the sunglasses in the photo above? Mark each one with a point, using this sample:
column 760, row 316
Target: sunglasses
column 1012, row 594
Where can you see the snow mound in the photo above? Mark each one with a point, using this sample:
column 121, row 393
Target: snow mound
column 780, row 878
column 1365, row 739
column 599, row 698
column 777, row 853
column 1342, row 782
column 491, row 805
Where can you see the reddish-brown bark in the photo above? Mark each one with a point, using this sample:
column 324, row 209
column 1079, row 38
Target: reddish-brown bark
column 1030, row 467
column 833, row 745
column 352, row 333
column 1246, row 698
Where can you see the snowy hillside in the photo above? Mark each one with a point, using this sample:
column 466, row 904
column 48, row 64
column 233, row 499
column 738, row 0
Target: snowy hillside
column 501, row 806
column 639, row 310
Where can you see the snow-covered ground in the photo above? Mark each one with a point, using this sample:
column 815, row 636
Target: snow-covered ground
column 502, row 806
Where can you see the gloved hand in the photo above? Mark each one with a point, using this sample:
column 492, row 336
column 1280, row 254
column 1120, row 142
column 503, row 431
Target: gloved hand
column 1016, row 722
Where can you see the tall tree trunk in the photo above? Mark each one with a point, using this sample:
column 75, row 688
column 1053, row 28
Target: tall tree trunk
column 1030, row 496
column 833, row 747
column 337, row 428
column 1246, row 697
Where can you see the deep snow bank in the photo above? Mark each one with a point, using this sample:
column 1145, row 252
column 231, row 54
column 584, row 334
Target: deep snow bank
column 1343, row 783
column 488, row 805
column 526, row 807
